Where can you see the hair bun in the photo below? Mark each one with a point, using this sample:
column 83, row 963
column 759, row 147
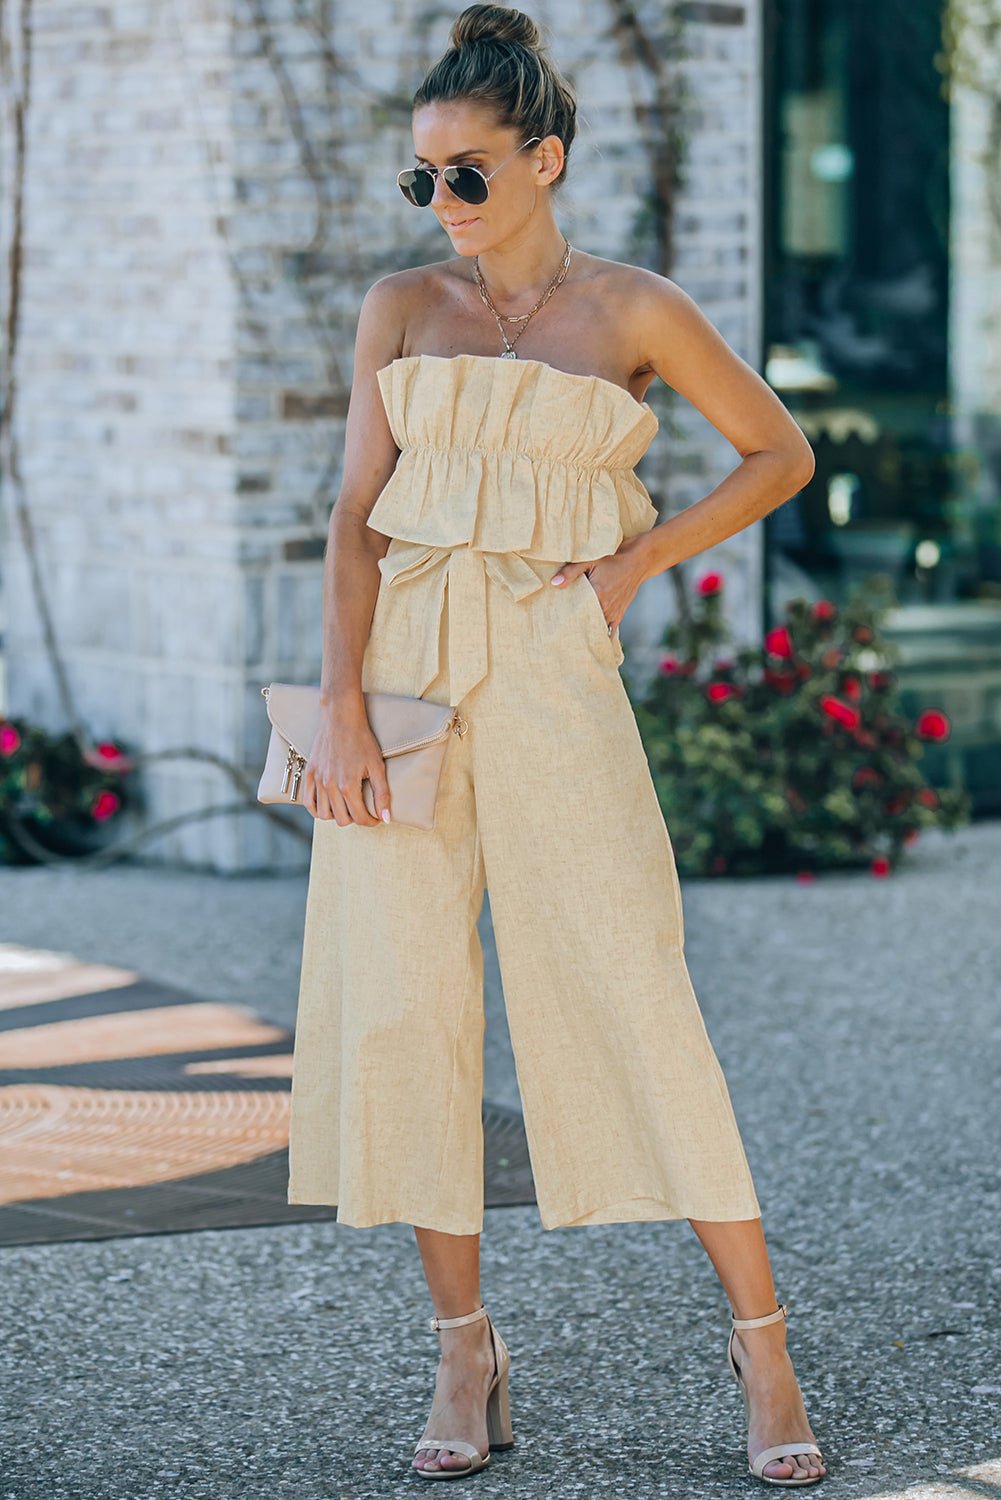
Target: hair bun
column 495, row 23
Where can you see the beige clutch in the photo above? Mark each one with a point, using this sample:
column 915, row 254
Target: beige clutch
column 413, row 736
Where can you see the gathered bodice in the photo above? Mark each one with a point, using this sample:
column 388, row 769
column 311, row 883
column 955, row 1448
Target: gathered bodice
column 512, row 455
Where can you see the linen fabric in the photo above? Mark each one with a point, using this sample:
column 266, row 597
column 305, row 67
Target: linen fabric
column 508, row 469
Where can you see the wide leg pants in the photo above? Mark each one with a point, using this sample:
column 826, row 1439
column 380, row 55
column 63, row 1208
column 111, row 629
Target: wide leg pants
column 548, row 801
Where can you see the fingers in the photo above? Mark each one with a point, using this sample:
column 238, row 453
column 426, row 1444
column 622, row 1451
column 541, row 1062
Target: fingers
column 355, row 801
column 344, row 805
column 570, row 571
column 380, row 791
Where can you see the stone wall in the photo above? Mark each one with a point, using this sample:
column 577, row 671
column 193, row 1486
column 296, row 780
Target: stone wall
column 210, row 192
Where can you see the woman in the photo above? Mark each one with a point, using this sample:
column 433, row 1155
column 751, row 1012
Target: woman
column 496, row 415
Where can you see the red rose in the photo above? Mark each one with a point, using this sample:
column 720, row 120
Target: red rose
column 880, row 681
column 866, row 776
column 824, row 610
column 895, row 805
column 716, row 692
column 911, row 836
column 710, row 583
column 831, row 658
column 805, row 670
column 669, row 665
column 852, row 688
column 104, row 805
column 862, row 633
column 805, row 877
column 782, row 682
column 933, row 725
column 880, row 865
column 843, row 713
column 9, row 739
column 928, row 797
column 778, row 642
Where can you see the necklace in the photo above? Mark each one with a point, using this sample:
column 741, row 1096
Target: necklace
column 509, row 352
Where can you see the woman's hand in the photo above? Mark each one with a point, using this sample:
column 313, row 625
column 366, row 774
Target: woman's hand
column 617, row 582
column 345, row 752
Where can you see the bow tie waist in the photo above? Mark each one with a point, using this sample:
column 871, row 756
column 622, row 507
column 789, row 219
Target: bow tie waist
column 463, row 568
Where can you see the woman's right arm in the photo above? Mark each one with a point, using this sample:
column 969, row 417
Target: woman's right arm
column 345, row 750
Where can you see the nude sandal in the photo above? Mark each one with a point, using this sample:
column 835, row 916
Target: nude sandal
column 499, row 1433
column 784, row 1451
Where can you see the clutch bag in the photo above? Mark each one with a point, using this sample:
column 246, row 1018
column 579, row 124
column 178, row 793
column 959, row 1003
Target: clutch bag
column 412, row 735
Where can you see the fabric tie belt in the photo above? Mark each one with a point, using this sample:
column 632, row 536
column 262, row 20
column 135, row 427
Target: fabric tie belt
column 464, row 569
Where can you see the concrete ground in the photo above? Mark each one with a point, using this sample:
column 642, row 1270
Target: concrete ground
column 858, row 1025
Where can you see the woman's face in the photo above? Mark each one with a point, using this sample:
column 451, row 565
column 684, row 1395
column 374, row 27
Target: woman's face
column 459, row 134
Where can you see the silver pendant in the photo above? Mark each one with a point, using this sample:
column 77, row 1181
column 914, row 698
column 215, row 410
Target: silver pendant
column 509, row 354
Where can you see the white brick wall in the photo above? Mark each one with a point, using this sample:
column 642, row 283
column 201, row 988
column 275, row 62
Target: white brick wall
column 187, row 332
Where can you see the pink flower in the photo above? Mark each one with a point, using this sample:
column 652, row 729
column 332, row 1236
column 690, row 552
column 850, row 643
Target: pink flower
column 669, row 665
column 805, row 877
column 9, row 739
column 104, row 805
column 710, row 583
column 842, row 712
column 880, row 865
column 933, row 725
column 778, row 642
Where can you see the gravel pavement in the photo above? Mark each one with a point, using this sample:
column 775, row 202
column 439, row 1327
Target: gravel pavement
column 858, row 1024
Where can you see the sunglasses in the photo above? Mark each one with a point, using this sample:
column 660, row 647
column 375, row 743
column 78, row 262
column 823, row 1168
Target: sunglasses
column 468, row 183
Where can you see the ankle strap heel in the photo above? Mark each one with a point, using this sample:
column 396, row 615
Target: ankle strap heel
column 778, row 1452
column 500, row 1433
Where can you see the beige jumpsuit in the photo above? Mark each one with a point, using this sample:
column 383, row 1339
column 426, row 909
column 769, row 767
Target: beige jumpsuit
column 507, row 469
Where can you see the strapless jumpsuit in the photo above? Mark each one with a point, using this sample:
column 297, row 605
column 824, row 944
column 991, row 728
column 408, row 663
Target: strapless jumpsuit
column 507, row 469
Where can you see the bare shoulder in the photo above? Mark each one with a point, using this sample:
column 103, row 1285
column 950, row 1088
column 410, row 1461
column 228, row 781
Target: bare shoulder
column 629, row 297
column 671, row 328
column 391, row 304
column 672, row 337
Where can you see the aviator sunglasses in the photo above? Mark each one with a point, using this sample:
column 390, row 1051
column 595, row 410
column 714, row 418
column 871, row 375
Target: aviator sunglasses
column 468, row 183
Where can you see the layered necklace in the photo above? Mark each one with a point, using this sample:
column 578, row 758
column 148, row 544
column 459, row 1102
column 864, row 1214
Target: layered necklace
column 502, row 318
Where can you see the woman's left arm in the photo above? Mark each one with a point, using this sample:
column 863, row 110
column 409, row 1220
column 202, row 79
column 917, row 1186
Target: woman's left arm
column 683, row 347
column 674, row 339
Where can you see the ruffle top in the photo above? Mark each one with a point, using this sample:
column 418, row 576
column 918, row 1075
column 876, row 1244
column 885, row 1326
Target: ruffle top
column 512, row 455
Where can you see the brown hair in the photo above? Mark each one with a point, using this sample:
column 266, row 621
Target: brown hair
column 498, row 58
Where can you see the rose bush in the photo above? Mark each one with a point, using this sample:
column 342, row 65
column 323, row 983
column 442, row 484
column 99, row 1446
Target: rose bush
column 55, row 795
column 792, row 755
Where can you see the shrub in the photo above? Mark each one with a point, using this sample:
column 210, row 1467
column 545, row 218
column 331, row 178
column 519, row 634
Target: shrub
column 791, row 755
column 54, row 794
